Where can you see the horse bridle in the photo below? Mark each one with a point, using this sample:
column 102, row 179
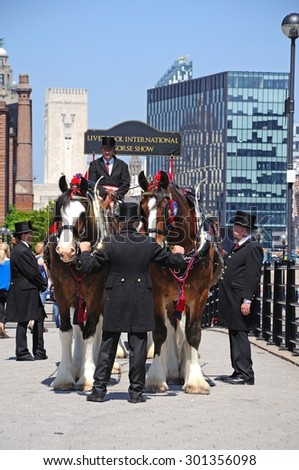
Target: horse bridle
column 155, row 194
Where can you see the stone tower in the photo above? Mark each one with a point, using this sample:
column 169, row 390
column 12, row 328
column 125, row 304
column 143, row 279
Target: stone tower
column 24, row 187
column 65, row 124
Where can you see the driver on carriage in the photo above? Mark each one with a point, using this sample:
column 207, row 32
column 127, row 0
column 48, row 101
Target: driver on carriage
column 114, row 173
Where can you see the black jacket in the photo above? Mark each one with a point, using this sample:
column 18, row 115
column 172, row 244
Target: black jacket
column 120, row 176
column 128, row 255
column 23, row 301
column 239, row 281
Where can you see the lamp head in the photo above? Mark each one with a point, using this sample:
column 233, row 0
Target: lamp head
column 290, row 26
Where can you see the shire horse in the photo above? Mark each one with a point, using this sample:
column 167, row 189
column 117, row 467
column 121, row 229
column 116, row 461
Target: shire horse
column 78, row 216
column 173, row 217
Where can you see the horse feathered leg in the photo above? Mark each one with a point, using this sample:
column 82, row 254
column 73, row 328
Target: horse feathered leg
column 85, row 380
column 65, row 379
column 194, row 379
column 150, row 345
column 156, row 377
column 122, row 351
column 173, row 373
column 78, row 350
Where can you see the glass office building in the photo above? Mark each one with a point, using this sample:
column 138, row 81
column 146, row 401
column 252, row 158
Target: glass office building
column 234, row 141
column 180, row 71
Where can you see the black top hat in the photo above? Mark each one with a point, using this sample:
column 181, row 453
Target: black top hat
column 244, row 219
column 128, row 212
column 108, row 142
column 23, row 227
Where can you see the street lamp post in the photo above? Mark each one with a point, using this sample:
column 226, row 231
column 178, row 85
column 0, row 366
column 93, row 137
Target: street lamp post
column 290, row 27
column 283, row 241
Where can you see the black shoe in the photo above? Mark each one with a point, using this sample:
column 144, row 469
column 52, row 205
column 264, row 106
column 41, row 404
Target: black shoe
column 96, row 396
column 137, row 400
column 41, row 358
column 223, row 378
column 239, row 381
column 25, row 358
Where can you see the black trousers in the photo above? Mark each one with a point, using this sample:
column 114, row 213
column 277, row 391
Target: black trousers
column 240, row 353
column 137, row 343
column 3, row 298
column 37, row 339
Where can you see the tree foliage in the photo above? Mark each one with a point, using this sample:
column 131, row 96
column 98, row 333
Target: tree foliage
column 40, row 220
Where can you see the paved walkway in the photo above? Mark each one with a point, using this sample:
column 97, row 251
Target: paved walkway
column 264, row 416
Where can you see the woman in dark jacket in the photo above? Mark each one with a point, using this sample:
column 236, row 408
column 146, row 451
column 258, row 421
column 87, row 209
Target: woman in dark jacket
column 23, row 301
column 129, row 306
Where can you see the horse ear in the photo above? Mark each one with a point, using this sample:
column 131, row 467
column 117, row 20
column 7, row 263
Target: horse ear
column 143, row 183
column 164, row 180
column 83, row 185
column 63, row 186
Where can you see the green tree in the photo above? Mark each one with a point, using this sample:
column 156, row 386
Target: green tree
column 40, row 220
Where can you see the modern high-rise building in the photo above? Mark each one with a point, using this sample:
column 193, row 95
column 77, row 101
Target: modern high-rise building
column 180, row 71
column 234, row 142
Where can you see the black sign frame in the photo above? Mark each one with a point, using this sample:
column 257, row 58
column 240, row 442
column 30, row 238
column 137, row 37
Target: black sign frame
column 135, row 138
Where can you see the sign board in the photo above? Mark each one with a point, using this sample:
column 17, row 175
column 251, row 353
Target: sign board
column 135, row 138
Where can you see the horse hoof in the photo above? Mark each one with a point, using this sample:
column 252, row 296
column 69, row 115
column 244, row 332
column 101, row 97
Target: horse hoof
column 116, row 369
column 197, row 391
column 64, row 388
column 83, row 387
column 156, row 388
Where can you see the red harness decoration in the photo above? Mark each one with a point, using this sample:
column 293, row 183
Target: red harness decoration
column 75, row 185
column 80, row 314
column 156, row 181
column 54, row 228
column 181, row 302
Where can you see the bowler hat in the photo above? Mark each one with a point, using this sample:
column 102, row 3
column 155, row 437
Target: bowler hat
column 108, row 142
column 244, row 219
column 128, row 212
column 23, row 227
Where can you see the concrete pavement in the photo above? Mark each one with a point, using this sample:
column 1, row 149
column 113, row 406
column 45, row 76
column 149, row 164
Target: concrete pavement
column 259, row 417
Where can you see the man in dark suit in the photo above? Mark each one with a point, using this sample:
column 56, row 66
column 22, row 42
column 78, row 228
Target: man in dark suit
column 237, row 289
column 115, row 174
column 23, row 301
column 129, row 305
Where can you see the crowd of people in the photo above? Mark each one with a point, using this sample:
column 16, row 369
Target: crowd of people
column 24, row 282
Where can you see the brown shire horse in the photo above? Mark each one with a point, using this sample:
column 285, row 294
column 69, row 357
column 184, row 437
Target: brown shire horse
column 77, row 217
column 179, row 297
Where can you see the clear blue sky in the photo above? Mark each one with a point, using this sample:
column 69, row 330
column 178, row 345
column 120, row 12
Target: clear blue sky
column 119, row 49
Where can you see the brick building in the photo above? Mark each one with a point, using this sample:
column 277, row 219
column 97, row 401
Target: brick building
column 15, row 140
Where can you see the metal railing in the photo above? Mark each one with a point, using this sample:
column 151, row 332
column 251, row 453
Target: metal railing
column 276, row 319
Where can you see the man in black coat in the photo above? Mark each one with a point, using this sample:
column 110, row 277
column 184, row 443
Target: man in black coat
column 114, row 172
column 23, row 301
column 129, row 305
column 237, row 289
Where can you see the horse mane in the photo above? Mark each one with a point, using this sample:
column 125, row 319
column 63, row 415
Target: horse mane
column 63, row 200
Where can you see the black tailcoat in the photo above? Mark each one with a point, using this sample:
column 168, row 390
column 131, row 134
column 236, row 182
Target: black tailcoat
column 129, row 304
column 23, row 301
column 239, row 281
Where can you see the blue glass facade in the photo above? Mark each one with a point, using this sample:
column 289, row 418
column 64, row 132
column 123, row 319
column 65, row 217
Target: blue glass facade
column 234, row 141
